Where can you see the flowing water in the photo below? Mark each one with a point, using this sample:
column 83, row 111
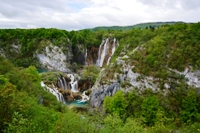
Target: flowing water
column 104, row 51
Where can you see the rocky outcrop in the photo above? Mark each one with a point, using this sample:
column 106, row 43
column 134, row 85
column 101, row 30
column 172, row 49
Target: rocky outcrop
column 91, row 55
column 78, row 52
column 84, row 84
column 85, row 56
column 69, row 95
column 98, row 94
column 53, row 58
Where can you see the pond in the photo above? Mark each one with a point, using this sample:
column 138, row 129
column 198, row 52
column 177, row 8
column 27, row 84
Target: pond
column 77, row 103
column 42, row 70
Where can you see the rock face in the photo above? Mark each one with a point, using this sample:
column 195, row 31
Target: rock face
column 70, row 96
column 78, row 52
column 84, row 84
column 53, row 58
column 98, row 94
column 85, row 56
column 193, row 77
column 91, row 55
column 12, row 50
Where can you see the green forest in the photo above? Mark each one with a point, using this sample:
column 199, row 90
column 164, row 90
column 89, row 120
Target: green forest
column 175, row 110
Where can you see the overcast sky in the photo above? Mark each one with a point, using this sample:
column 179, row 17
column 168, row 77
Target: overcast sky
column 81, row 14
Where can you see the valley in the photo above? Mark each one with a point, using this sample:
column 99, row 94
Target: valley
column 101, row 80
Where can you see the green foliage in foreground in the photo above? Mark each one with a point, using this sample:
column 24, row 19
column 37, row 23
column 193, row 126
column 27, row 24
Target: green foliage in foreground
column 26, row 107
column 153, row 112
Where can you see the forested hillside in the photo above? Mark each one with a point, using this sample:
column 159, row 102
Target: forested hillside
column 157, row 71
column 137, row 26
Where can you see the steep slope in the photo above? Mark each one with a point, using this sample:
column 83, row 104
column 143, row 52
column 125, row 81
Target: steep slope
column 162, row 60
column 43, row 48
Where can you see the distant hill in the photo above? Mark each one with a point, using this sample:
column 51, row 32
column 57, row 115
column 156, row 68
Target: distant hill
column 141, row 26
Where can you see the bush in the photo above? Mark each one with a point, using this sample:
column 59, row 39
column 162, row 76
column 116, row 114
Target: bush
column 91, row 72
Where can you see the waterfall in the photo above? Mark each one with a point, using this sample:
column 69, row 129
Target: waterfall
column 114, row 46
column 103, row 53
column 86, row 57
column 113, row 50
column 60, row 82
column 54, row 91
column 74, row 86
column 99, row 54
column 108, row 60
column 71, row 76
column 73, row 83
column 65, row 83
column 104, row 50
column 61, row 98
column 85, row 98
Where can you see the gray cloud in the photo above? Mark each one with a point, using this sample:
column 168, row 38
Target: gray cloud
column 190, row 4
column 79, row 14
column 185, row 4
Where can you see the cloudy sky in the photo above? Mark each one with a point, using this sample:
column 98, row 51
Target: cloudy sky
column 80, row 14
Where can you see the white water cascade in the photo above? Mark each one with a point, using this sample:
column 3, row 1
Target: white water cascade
column 62, row 83
column 73, row 83
column 85, row 98
column 113, row 50
column 99, row 54
column 103, row 53
column 65, row 83
column 54, row 91
column 106, row 50
column 86, row 63
column 74, row 86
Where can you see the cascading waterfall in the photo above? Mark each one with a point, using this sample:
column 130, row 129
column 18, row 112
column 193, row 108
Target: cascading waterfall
column 113, row 50
column 85, row 98
column 74, row 86
column 99, row 54
column 86, row 57
column 73, row 83
column 108, row 60
column 61, row 97
column 71, row 76
column 54, row 91
column 106, row 50
column 65, row 83
column 114, row 46
column 60, row 83
column 103, row 53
